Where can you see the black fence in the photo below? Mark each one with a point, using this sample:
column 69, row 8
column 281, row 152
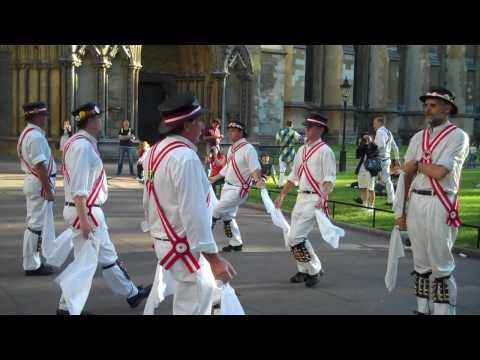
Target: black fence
column 333, row 203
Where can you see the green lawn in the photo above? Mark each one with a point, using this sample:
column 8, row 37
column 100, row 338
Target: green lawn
column 470, row 204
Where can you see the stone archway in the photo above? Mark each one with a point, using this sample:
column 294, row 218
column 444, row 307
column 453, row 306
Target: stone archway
column 168, row 69
column 237, row 102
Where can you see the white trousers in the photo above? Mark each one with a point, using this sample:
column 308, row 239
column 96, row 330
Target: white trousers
column 193, row 293
column 387, row 180
column 303, row 222
column 227, row 209
column 432, row 242
column 36, row 210
column 113, row 272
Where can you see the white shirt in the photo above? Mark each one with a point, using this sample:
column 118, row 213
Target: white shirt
column 35, row 149
column 84, row 167
column 182, row 188
column 247, row 161
column 321, row 164
column 385, row 142
column 451, row 153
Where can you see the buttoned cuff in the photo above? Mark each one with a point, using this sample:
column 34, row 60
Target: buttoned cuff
column 329, row 179
column 210, row 248
column 79, row 194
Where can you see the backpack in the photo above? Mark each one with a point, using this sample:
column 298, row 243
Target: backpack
column 373, row 166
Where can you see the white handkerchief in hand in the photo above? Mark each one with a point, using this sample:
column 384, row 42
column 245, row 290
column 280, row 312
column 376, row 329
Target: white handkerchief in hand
column 163, row 286
column 144, row 226
column 276, row 214
column 48, row 231
column 330, row 233
column 63, row 247
column 395, row 252
column 76, row 280
column 230, row 305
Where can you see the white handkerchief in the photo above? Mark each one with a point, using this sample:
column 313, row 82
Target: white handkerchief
column 276, row 214
column 163, row 286
column 144, row 226
column 76, row 280
column 230, row 305
column 48, row 231
column 63, row 247
column 395, row 252
column 330, row 233
column 55, row 249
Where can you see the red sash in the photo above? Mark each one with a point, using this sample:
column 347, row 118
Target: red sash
column 180, row 247
column 303, row 169
column 245, row 183
column 453, row 218
column 30, row 169
column 97, row 186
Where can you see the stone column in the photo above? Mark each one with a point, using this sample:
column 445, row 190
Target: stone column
column 379, row 77
column 101, row 93
column 136, row 80
column 21, row 92
column 43, row 85
column 417, row 76
column 318, row 73
column 132, row 95
column 220, row 79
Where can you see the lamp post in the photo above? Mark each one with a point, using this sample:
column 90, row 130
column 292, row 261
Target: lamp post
column 345, row 88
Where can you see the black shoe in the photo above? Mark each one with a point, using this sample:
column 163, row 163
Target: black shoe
column 231, row 248
column 419, row 313
column 298, row 278
column 43, row 270
column 134, row 301
column 61, row 312
column 311, row 280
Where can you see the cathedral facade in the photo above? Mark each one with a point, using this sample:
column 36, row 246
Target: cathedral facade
column 261, row 85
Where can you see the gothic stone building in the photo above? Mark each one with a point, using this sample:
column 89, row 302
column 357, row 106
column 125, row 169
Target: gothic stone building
column 262, row 85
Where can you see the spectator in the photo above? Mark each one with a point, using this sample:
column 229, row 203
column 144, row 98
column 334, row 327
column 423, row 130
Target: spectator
column 366, row 150
column 212, row 135
column 67, row 134
column 472, row 156
column 217, row 161
column 267, row 168
column 142, row 152
column 126, row 137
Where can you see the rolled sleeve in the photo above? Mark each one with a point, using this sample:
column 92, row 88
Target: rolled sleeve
column 252, row 159
column 330, row 165
column 37, row 151
column 193, row 208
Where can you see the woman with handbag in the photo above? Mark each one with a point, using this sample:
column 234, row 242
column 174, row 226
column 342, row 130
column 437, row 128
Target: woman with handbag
column 367, row 170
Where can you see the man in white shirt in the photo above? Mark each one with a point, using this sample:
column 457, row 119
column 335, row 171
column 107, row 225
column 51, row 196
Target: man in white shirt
column 86, row 190
column 386, row 143
column 178, row 209
column 242, row 168
column 427, row 206
column 314, row 172
column 36, row 160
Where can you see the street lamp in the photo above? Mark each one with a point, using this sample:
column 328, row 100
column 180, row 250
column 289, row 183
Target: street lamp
column 345, row 88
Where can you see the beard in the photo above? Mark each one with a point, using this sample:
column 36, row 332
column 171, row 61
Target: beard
column 434, row 122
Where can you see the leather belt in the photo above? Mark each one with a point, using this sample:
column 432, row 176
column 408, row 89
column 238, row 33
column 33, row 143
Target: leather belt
column 73, row 205
column 306, row 192
column 161, row 239
column 424, row 192
column 428, row 192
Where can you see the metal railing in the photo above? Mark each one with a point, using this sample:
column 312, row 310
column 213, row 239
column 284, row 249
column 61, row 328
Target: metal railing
column 332, row 205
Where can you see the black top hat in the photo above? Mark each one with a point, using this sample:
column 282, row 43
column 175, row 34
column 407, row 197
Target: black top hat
column 442, row 94
column 176, row 110
column 238, row 125
column 315, row 119
column 86, row 112
column 35, row 109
